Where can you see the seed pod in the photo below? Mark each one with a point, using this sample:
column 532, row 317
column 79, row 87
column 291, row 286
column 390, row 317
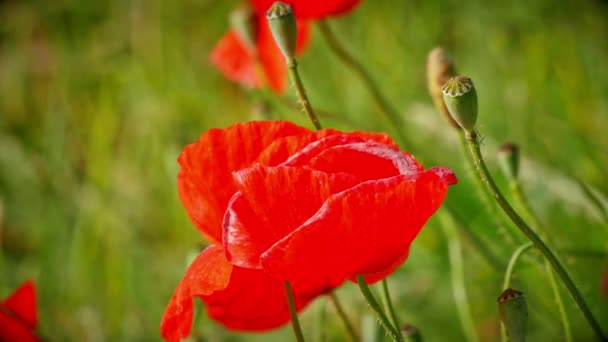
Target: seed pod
column 243, row 21
column 460, row 97
column 514, row 314
column 283, row 26
column 508, row 159
column 439, row 68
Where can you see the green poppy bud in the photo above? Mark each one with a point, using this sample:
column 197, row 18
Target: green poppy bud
column 283, row 26
column 411, row 333
column 439, row 68
column 461, row 99
column 508, row 159
column 242, row 20
column 514, row 314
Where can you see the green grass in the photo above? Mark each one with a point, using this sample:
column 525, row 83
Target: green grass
column 98, row 98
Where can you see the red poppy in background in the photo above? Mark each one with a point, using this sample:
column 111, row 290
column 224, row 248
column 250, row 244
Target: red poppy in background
column 256, row 66
column 279, row 202
column 18, row 316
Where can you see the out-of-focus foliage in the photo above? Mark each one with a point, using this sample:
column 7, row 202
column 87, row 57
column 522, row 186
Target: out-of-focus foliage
column 97, row 98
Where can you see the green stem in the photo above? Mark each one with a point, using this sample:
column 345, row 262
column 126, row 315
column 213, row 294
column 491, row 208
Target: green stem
column 295, row 323
column 349, row 327
column 292, row 66
column 388, row 304
column 457, row 275
column 498, row 220
column 511, row 266
column 484, row 175
column 508, row 274
column 594, row 199
column 340, row 51
column 527, row 210
column 386, row 323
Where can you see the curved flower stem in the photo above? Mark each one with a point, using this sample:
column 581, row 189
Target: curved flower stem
column 388, row 304
column 292, row 66
column 386, row 323
column 511, row 266
column 337, row 48
column 508, row 274
column 351, row 330
column 594, row 199
column 457, row 275
column 483, row 173
column 523, row 204
column 295, row 323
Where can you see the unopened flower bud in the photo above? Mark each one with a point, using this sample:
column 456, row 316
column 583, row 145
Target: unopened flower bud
column 461, row 99
column 243, row 21
column 439, row 68
column 514, row 314
column 283, row 26
column 411, row 333
column 508, row 159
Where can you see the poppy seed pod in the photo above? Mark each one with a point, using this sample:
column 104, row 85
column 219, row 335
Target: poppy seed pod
column 243, row 21
column 282, row 23
column 461, row 99
column 514, row 314
column 508, row 159
column 439, row 68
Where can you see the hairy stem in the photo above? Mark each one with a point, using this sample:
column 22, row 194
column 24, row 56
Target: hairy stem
column 483, row 173
column 373, row 304
column 292, row 66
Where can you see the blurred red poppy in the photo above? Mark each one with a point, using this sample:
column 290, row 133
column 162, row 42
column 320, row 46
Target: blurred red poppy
column 263, row 64
column 18, row 316
column 279, row 202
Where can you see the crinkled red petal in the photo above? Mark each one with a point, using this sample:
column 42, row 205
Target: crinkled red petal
column 310, row 9
column 236, row 61
column 367, row 160
column 205, row 179
column 253, row 301
column 365, row 230
column 271, row 203
column 209, row 272
column 308, row 146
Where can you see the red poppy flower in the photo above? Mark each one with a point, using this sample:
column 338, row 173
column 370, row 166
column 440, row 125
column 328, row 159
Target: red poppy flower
column 279, row 202
column 18, row 316
column 239, row 298
column 264, row 63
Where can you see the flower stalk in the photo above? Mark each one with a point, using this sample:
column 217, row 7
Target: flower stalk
column 384, row 320
column 347, row 324
column 484, row 175
column 295, row 323
column 388, row 303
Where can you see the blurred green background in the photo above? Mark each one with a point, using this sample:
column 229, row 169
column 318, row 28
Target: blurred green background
column 97, row 99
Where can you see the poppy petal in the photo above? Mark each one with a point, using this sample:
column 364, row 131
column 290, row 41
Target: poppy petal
column 209, row 272
column 364, row 230
column 310, row 9
column 13, row 329
column 205, row 178
column 298, row 150
column 18, row 314
column 22, row 304
column 236, row 61
column 253, row 301
column 272, row 202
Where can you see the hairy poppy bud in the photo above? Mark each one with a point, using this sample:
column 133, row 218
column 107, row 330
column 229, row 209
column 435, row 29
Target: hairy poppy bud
column 514, row 314
column 243, row 21
column 508, row 158
column 283, row 26
column 440, row 68
column 461, row 99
